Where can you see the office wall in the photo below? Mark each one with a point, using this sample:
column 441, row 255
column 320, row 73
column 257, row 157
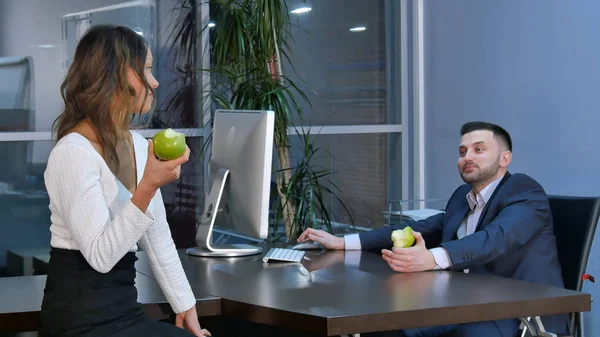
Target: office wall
column 532, row 66
column 33, row 28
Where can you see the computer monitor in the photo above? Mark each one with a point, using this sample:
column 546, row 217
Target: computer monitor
column 240, row 168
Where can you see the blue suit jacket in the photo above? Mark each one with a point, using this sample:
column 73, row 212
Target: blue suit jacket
column 514, row 237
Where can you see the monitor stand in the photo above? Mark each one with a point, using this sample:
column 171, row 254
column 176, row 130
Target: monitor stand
column 207, row 223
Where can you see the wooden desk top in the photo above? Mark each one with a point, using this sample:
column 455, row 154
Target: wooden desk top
column 156, row 304
column 339, row 292
column 21, row 300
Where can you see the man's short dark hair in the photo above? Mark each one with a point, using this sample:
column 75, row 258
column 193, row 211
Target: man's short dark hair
column 499, row 133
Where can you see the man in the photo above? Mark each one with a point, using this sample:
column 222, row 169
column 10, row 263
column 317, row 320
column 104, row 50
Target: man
column 497, row 223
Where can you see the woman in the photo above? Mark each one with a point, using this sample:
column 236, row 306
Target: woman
column 104, row 183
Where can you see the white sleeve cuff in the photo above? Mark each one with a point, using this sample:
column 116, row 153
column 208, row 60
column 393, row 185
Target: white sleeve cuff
column 352, row 242
column 140, row 217
column 441, row 257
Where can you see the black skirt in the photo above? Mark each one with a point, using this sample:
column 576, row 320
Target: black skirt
column 79, row 301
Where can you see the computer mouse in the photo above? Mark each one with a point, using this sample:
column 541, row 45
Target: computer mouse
column 308, row 245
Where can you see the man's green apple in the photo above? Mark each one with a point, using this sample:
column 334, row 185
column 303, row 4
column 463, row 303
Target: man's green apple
column 169, row 144
column 403, row 238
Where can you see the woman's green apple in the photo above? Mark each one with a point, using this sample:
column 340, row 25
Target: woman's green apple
column 169, row 144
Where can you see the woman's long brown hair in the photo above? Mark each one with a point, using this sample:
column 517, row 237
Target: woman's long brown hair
column 96, row 85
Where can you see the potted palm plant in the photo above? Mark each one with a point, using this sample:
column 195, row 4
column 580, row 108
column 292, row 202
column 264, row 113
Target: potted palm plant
column 179, row 109
column 248, row 39
column 311, row 190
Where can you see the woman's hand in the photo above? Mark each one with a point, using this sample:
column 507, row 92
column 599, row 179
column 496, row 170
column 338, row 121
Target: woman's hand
column 158, row 173
column 189, row 320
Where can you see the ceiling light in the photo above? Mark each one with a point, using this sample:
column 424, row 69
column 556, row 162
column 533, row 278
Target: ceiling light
column 139, row 31
column 358, row 29
column 301, row 9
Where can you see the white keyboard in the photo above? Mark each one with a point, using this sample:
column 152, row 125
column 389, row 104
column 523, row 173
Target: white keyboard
column 282, row 254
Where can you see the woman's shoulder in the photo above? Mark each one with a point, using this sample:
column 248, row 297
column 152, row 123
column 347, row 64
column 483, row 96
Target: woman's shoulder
column 73, row 155
column 72, row 145
column 74, row 140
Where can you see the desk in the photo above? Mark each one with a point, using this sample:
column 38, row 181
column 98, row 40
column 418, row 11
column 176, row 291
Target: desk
column 21, row 300
column 339, row 292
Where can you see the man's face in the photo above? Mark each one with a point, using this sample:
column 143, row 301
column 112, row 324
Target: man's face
column 479, row 157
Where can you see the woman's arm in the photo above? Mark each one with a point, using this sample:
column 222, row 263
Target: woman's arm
column 158, row 245
column 73, row 182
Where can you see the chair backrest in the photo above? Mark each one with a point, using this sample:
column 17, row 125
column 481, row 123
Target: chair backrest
column 575, row 221
column 16, row 82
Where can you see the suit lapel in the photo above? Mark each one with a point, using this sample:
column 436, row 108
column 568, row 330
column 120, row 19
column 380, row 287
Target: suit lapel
column 491, row 201
column 458, row 216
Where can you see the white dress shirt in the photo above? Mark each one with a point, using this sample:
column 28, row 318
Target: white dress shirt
column 467, row 227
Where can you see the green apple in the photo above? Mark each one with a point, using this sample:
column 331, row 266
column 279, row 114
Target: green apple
column 169, row 144
column 403, row 238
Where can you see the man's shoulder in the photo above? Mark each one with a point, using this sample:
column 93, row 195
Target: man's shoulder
column 521, row 187
column 522, row 181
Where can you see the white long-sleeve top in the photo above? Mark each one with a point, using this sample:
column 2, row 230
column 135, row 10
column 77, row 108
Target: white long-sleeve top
column 91, row 211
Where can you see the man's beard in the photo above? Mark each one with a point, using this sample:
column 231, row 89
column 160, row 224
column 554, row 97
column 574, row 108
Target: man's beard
column 482, row 174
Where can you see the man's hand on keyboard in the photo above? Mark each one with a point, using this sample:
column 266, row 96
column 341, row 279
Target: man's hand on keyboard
column 327, row 240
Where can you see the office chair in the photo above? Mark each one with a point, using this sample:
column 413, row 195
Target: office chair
column 16, row 86
column 575, row 221
column 16, row 114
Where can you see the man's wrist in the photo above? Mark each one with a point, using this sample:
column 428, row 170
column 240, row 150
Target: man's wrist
column 440, row 257
column 352, row 242
column 433, row 264
column 342, row 243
